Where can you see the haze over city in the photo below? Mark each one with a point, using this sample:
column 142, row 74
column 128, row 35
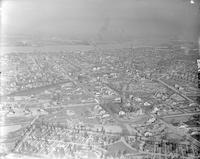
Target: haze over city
column 100, row 79
column 103, row 19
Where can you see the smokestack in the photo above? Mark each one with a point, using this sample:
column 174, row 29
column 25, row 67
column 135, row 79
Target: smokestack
column 104, row 28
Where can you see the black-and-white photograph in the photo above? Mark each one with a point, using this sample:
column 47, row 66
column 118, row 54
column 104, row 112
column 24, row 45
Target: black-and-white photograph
column 100, row 79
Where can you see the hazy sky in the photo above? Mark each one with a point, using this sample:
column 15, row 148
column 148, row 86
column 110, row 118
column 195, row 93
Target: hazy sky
column 114, row 18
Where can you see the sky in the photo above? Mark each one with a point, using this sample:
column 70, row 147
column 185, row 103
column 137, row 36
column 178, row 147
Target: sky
column 101, row 18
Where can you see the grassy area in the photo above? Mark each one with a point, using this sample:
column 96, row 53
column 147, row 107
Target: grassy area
column 119, row 148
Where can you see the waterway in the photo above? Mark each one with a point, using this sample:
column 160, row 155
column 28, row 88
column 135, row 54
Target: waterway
column 58, row 48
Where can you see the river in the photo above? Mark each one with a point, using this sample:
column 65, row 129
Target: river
column 57, row 48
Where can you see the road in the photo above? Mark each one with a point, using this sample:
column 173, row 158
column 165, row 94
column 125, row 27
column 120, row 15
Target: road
column 26, row 134
column 160, row 155
column 172, row 88
column 178, row 131
column 101, row 103
column 175, row 129
column 72, row 106
column 180, row 115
